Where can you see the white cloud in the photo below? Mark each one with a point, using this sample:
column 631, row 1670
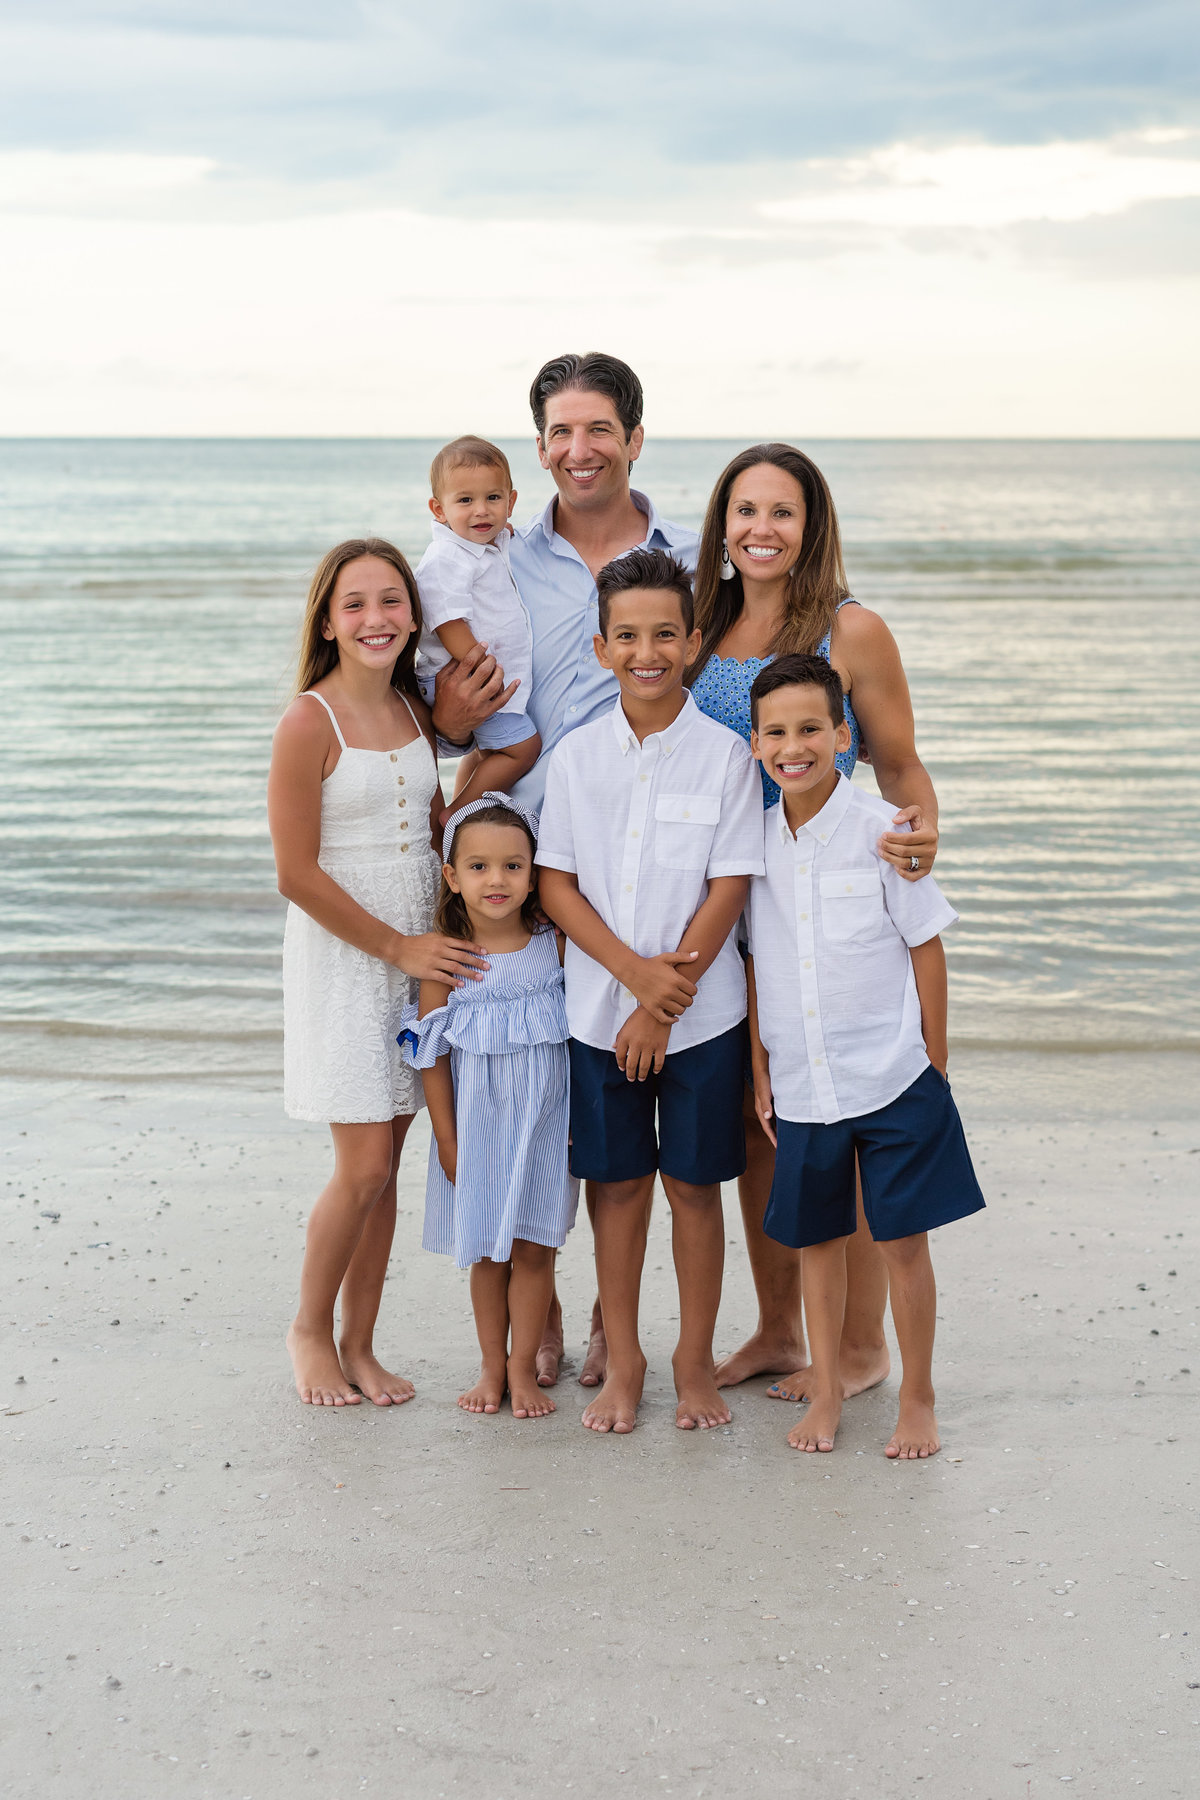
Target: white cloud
column 907, row 187
column 83, row 183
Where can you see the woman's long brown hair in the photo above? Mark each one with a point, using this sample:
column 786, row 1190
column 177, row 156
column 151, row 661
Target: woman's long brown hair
column 318, row 654
column 818, row 578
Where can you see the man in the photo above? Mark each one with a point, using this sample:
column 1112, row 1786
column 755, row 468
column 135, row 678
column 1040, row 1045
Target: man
column 588, row 414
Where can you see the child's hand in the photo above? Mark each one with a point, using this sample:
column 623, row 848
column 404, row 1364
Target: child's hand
column 641, row 1045
column 764, row 1101
column 661, row 986
column 448, row 1157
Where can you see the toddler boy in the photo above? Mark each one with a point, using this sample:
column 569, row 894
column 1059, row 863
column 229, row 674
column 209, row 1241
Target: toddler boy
column 468, row 596
column 651, row 828
column 848, row 1045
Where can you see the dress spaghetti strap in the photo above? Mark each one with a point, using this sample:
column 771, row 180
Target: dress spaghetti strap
column 312, row 694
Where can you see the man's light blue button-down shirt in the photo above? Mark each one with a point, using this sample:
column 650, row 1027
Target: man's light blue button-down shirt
column 569, row 686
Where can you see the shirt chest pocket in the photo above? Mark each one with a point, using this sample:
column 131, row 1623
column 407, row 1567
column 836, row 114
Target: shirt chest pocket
column 684, row 825
column 851, row 905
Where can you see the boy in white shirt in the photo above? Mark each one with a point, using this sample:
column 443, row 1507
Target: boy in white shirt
column 847, row 980
column 469, row 596
column 651, row 828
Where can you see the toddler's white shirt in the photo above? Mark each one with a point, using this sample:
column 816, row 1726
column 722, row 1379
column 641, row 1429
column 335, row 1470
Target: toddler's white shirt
column 458, row 579
column 830, row 928
column 644, row 827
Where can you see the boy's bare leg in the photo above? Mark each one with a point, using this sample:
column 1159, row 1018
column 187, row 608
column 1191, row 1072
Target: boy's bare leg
column 698, row 1246
column 914, row 1314
column 362, row 1291
column 864, row 1358
column 824, row 1309
column 620, row 1210
column 489, row 1301
column 363, row 1160
column 777, row 1342
column 550, row 1350
column 529, row 1289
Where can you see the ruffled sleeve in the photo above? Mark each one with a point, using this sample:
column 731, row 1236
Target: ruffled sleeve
column 422, row 1041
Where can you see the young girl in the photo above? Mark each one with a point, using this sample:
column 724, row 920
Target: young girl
column 353, row 799
column 493, row 1054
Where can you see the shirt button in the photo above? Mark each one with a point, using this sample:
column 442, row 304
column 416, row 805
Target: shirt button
column 404, row 824
column 817, row 1061
column 643, row 778
column 808, row 965
column 403, row 848
column 633, row 834
column 629, row 887
column 399, row 781
column 402, row 803
column 812, row 1012
column 394, row 757
column 849, row 887
column 802, row 868
column 804, row 915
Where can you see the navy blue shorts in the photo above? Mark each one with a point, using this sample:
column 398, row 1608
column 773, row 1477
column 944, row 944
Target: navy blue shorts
column 698, row 1100
column 913, row 1158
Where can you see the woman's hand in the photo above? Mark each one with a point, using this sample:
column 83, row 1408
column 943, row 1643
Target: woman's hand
column 431, row 957
column 918, row 845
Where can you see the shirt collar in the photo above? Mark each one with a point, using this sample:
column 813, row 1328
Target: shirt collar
column 442, row 532
column 656, row 537
column 823, row 824
column 667, row 741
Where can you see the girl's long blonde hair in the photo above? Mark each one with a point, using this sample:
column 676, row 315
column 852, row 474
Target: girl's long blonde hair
column 818, row 578
column 318, row 654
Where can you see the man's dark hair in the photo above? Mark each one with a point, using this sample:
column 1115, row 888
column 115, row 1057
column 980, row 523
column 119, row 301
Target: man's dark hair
column 594, row 373
column 799, row 671
column 644, row 569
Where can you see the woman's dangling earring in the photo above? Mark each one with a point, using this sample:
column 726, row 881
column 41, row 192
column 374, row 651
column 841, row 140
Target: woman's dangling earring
column 727, row 569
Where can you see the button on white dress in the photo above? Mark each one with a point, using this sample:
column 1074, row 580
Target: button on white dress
column 342, row 1008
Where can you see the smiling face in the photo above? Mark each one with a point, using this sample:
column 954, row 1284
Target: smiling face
column 475, row 502
column 764, row 523
column 796, row 741
column 647, row 645
column 583, row 444
column 492, row 870
column 370, row 613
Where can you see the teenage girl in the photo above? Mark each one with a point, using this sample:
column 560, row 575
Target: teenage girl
column 353, row 799
column 493, row 1054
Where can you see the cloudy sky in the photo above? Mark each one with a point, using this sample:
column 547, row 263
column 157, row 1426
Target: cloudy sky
column 361, row 217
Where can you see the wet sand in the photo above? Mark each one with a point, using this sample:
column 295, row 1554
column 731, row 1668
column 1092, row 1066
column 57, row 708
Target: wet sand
column 214, row 1591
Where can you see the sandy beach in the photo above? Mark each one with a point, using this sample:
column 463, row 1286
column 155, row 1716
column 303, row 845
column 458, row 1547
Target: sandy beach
column 213, row 1591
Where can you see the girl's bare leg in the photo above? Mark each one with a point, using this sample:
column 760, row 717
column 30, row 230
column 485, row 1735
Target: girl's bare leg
column 777, row 1342
column 622, row 1209
column 489, row 1301
column 363, row 1156
column 824, row 1309
column 530, row 1287
column 362, row 1291
column 914, row 1314
column 698, row 1246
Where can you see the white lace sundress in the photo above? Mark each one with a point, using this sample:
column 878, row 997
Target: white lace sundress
column 342, row 1008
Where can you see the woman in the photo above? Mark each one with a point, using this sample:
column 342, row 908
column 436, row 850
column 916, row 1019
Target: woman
column 770, row 580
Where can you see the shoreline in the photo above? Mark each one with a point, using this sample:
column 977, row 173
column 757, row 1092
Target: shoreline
column 369, row 1601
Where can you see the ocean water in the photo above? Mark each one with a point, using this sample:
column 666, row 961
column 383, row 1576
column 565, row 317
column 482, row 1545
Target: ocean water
column 1046, row 598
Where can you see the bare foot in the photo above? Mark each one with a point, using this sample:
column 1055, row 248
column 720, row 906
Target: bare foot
column 700, row 1404
column 528, row 1400
column 615, row 1406
column 916, row 1434
column 818, row 1428
column 318, row 1373
column 759, row 1356
column 550, row 1350
column 488, row 1392
column 595, row 1363
column 860, row 1370
column 364, row 1370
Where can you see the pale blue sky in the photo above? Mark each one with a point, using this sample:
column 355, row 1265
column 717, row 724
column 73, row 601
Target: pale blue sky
column 892, row 217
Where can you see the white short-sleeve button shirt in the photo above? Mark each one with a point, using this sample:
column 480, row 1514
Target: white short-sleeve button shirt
column 458, row 579
column 644, row 827
column 830, row 928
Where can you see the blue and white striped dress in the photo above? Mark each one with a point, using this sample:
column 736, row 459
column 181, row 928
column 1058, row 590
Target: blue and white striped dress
column 507, row 1039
